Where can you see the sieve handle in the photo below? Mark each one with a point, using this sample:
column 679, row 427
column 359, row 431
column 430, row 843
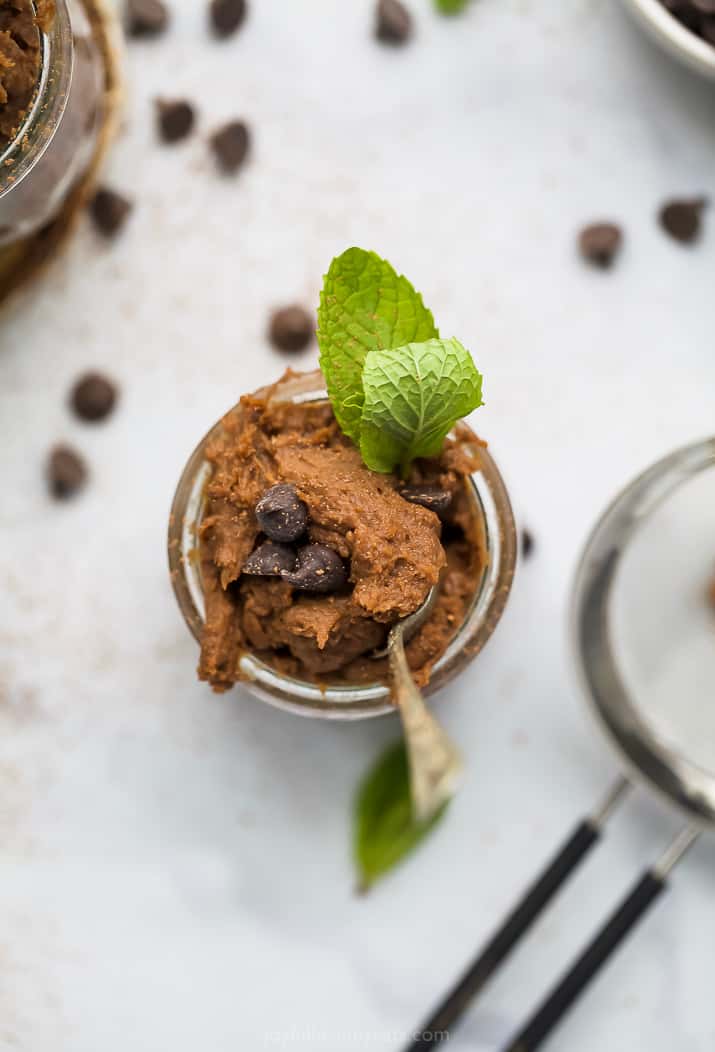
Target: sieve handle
column 521, row 918
column 621, row 922
column 517, row 923
column 553, row 1009
column 503, row 941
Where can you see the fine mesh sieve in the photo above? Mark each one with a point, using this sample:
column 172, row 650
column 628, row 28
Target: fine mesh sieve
column 643, row 627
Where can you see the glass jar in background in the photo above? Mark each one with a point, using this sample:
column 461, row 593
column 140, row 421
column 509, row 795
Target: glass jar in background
column 345, row 701
column 54, row 144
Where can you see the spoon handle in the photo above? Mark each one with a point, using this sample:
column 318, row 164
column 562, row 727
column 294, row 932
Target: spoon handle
column 435, row 763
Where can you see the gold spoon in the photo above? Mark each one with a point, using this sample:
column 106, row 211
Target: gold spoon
column 435, row 762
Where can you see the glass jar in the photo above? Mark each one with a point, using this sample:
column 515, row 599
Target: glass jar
column 55, row 142
column 345, row 701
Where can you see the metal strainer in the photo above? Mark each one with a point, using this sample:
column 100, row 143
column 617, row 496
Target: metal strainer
column 644, row 641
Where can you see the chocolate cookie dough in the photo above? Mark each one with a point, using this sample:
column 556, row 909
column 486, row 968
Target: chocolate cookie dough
column 393, row 550
column 19, row 61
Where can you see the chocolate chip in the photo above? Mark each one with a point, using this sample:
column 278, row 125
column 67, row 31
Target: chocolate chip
column 175, row 119
column 270, row 560
column 109, row 211
column 146, row 18
column 281, row 514
column 682, row 218
column 393, row 22
column 291, row 329
column 226, row 16
column 93, row 397
column 319, row 569
column 230, row 145
column 433, row 497
column 66, row 472
column 600, row 242
column 527, row 543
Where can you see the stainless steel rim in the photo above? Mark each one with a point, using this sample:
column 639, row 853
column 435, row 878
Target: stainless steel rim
column 690, row 787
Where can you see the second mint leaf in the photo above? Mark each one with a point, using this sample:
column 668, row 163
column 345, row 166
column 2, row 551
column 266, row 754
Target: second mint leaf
column 413, row 396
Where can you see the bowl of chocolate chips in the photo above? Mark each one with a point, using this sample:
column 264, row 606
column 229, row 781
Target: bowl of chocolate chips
column 684, row 28
column 326, row 507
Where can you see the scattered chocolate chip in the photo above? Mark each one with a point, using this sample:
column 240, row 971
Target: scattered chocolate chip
column 109, row 211
column 175, row 119
column 433, row 497
column 146, row 18
column 682, row 219
column 226, row 16
column 93, row 397
column 270, row 560
column 66, row 472
column 319, row 569
column 527, row 543
column 281, row 514
column 230, row 145
column 291, row 329
column 393, row 22
column 599, row 243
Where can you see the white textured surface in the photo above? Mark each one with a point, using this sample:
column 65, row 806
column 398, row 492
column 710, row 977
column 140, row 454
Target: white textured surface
column 175, row 867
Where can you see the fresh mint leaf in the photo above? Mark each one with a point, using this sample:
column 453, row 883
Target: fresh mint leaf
column 365, row 305
column 385, row 831
column 450, row 7
column 413, row 396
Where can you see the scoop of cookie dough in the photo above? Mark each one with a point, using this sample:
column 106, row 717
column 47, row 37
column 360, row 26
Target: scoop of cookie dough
column 391, row 550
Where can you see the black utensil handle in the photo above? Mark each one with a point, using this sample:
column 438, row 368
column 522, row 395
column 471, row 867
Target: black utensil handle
column 503, row 941
column 557, row 1004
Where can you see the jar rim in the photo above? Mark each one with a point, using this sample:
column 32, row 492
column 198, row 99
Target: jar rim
column 48, row 105
column 347, row 701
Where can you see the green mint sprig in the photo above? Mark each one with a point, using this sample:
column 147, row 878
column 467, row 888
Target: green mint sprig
column 396, row 388
column 450, row 7
column 385, row 830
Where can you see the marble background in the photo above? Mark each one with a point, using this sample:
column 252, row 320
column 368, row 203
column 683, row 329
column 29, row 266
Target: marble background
column 175, row 867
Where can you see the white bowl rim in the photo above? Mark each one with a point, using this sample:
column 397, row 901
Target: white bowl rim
column 679, row 41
